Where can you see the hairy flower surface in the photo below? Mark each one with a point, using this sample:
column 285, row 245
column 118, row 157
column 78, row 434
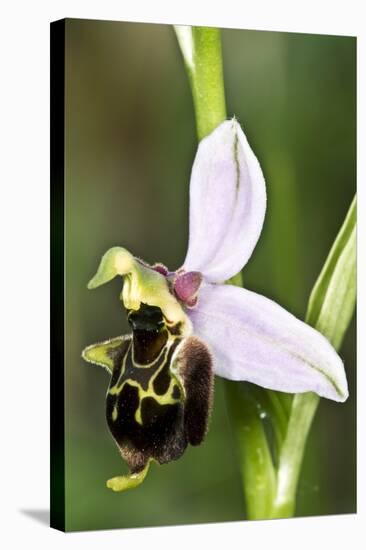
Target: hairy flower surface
column 188, row 324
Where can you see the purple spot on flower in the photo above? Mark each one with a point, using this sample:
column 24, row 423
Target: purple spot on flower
column 186, row 286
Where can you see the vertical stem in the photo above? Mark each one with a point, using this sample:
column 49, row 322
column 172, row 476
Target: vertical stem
column 258, row 474
column 201, row 48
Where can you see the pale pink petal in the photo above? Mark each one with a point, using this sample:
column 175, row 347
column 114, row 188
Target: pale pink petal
column 254, row 339
column 227, row 204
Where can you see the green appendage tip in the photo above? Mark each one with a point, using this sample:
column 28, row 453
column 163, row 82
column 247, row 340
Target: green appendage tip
column 123, row 483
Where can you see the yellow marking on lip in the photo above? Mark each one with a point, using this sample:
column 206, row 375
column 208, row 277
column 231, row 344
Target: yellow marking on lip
column 165, row 399
column 147, row 365
column 115, row 390
column 114, row 413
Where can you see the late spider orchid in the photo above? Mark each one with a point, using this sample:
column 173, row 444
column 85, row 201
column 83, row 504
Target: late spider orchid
column 187, row 324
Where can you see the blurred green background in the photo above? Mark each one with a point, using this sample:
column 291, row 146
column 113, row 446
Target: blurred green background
column 130, row 143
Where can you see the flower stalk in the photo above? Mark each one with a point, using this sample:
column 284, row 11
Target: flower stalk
column 201, row 48
column 271, row 469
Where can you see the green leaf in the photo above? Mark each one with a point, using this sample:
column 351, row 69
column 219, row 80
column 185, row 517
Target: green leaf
column 303, row 409
column 330, row 309
column 333, row 298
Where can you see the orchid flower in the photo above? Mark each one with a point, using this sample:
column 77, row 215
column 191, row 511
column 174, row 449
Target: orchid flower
column 188, row 325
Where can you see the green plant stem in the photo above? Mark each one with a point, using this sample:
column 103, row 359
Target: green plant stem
column 258, row 474
column 201, row 48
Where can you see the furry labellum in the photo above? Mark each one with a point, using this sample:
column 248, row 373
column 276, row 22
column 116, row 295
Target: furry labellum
column 160, row 393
